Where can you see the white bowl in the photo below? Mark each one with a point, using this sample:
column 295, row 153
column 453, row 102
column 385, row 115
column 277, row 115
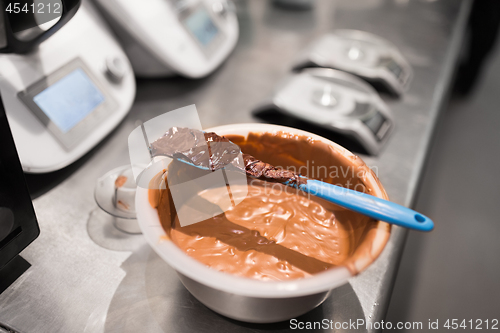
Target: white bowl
column 244, row 298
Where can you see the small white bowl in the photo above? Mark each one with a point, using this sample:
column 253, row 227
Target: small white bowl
column 246, row 299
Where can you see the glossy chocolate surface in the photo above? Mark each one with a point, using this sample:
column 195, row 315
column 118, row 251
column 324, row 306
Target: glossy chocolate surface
column 278, row 232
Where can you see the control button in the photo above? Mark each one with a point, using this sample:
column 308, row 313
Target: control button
column 326, row 97
column 115, row 69
column 219, row 8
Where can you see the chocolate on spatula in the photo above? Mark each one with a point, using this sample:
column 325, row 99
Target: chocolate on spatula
column 212, row 151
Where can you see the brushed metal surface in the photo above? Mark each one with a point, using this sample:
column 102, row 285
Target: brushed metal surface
column 86, row 276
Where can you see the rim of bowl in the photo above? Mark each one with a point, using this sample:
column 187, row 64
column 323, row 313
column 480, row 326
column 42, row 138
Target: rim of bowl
column 184, row 264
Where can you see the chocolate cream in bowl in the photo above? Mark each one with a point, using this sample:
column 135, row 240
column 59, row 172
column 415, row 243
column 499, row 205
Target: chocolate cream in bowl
column 278, row 232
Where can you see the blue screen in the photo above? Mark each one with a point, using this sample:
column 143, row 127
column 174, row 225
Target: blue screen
column 69, row 100
column 202, row 26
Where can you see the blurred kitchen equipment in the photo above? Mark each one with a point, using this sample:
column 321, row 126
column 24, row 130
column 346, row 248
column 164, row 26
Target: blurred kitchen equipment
column 162, row 38
column 18, row 224
column 26, row 24
column 65, row 96
column 368, row 56
column 336, row 101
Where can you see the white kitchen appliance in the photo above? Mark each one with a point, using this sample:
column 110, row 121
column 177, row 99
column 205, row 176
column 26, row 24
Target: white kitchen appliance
column 335, row 101
column 65, row 96
column 363, row 54
column 167, row 37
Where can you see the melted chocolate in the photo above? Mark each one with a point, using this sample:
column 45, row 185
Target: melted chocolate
column 266, row 171
column 207, row 150
column 211, row 151
column 278, row 232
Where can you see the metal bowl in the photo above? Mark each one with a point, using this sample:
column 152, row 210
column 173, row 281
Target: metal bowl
column 247, row 299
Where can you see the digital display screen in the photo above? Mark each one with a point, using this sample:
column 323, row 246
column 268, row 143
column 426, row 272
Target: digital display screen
column 394, row 68
column 201, row 26
column 69, row 100
column 375, row 123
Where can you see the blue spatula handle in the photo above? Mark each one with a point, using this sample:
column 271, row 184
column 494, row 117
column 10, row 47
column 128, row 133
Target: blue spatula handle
column 369, row 205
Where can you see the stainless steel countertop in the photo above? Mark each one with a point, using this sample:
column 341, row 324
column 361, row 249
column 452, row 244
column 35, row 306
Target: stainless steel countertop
column 86, row 276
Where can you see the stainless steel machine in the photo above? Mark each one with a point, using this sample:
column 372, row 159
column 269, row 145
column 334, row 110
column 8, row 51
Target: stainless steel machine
column 366, row 55
column 66, row 95
column 335, row 101
column 163, row 38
